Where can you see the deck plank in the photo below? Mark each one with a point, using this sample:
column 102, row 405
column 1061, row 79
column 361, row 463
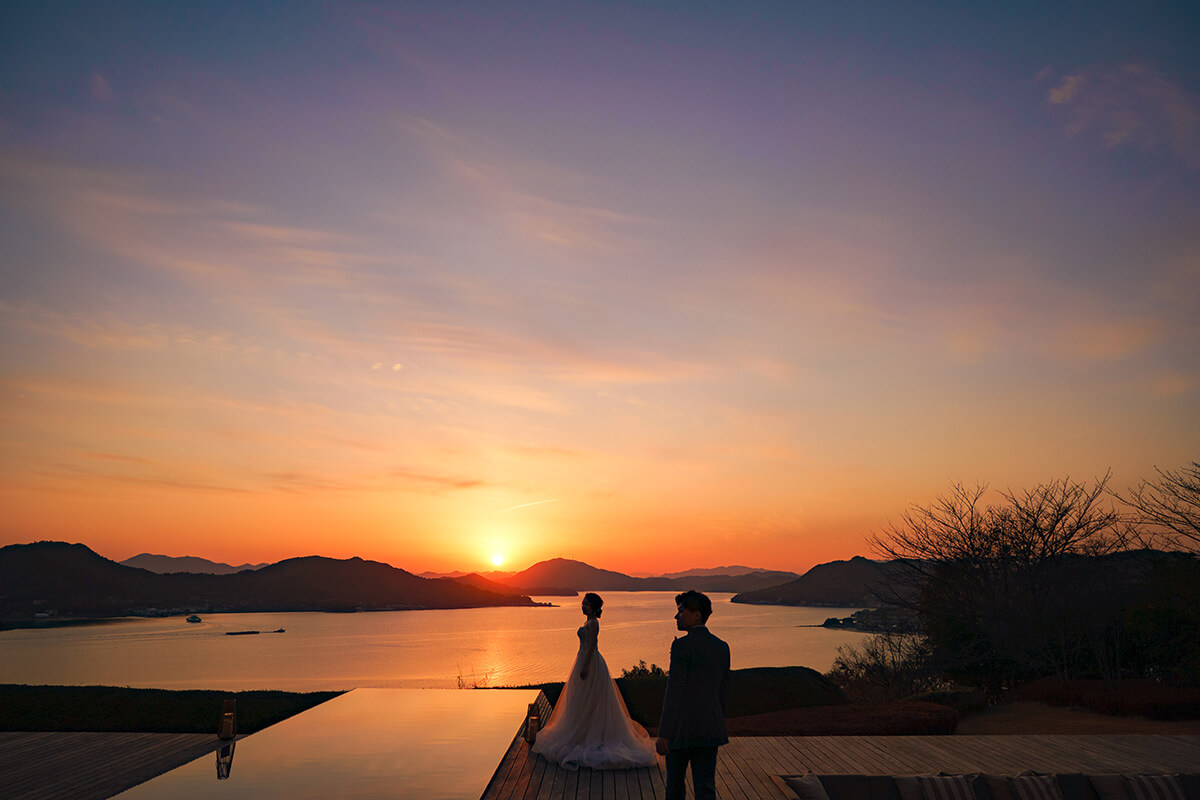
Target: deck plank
column 583, row 789
column 622, row 787
column 91, row 765
column 513, row 785
column 747, row 770
column 556, row 779
column 652, row 788
column 537, row 778
column 571, row 787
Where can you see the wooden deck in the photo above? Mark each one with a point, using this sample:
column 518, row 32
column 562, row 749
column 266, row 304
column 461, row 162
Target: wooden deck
column 95, row 766
column 91, row 766
column 747, row 767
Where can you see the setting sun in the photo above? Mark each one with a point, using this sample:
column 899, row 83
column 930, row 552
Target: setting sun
column 497, row 560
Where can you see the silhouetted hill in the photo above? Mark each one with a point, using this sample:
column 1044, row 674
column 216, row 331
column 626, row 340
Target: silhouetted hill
column 165, row 564
column 749, row 582
column 319, row 583
column 574, row 576
column 493, row 575
column 480, row 582
column 577, row 575
column 838, row 583
column 71, row 580
column 34, row 577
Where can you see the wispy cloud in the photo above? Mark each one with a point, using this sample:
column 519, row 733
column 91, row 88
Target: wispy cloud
column 102, row 89
column 538, row 203
column 105, row 330
column 72, row 479
column 173, row 228
column 117, row 457
column 1131, row 105
column 1175, row 383
column 529, row 505
column 300, row 283
column 435, row 481
column 1096, row 340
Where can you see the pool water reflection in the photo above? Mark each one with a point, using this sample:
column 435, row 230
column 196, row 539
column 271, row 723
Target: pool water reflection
column 363, row 745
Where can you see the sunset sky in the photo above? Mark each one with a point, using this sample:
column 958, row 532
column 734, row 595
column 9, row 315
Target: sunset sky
column 649, row 285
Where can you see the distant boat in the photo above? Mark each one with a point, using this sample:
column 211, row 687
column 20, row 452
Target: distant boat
column 280, row 630
column 193, row 618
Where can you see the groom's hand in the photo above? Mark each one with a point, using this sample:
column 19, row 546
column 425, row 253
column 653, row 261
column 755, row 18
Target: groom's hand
column 660, row 745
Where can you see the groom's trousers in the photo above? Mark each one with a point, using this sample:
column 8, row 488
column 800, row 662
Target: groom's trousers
column 704, row 772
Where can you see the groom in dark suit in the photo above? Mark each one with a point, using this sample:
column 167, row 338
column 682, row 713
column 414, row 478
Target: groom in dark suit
column 693, row 716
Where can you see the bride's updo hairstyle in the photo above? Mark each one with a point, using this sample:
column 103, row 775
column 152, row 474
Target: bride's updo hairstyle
column 595, row 601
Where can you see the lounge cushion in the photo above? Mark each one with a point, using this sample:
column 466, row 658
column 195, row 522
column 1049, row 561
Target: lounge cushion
column 942, row 787
column 946, row 787
column 1109, row 787
column 909, row 787
column 1034, row 787
column 1154, row 787
column 807, row 787
column 1026, row 786
column 1075, row 786
column 860, row 787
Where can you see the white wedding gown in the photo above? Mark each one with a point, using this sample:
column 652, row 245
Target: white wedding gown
column 590, row 726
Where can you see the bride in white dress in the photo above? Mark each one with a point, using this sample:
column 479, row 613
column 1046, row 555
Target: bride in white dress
column 590, row 726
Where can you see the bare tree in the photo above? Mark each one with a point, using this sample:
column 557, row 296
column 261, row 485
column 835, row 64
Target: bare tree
column 1003, row 589
column 1170, row 506
column 1053, row 519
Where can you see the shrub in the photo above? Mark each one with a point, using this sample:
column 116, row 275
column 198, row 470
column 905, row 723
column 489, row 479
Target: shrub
column 888, row 666
column 642, row 671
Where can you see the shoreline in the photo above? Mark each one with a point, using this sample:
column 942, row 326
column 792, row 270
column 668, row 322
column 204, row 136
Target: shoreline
column 16, row 624
column 57, row 622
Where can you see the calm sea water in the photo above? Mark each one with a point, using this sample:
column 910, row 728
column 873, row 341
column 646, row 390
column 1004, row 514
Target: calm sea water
column 403, row 649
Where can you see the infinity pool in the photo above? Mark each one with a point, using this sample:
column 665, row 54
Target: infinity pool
column 363, row 745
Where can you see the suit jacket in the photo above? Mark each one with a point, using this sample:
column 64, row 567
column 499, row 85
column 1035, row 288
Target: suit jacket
column 697, row 695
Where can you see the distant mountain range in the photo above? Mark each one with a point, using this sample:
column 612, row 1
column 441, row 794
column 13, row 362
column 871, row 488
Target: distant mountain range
column 556, row 577
column 734, row 570
column 562, row 576
column 164, row 564
column 847, row 584
column 70, row 580
column 702, row 572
